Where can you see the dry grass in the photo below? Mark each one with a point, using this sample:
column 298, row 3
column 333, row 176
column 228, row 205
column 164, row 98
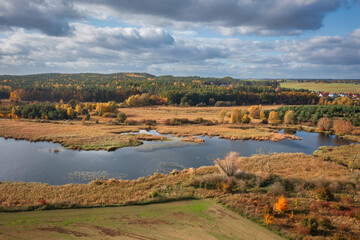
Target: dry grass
column 347, row 155
column 228, row 131
column 296, row 166
column 73, row 135
column 161, row 113
column 100, row 193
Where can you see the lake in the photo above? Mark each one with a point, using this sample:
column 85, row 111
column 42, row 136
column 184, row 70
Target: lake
column 37, row 162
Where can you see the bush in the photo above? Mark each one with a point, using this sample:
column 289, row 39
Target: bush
column 109, row 115
column 342, row 127
column 121, row 117
column 212, row 181
column 176, row 121
column 245, row 119
column 229, row 165
column 324, row 193
column 311, row 224
column 154, row 194
column 325, row 124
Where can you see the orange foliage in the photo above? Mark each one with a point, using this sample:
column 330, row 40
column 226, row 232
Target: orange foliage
column 268, row 218
column 282, row 205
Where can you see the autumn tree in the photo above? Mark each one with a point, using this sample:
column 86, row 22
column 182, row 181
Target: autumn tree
column 262, row 115
column 222, row 115
column 254, row 111
column 70, row 113
column 274, row 118
column 289, row 117
column 325, row 124
column 78, row 109
column 245, row 119
column 343, row 127
column 237, row 115
column 229, row 165
column 282, row 205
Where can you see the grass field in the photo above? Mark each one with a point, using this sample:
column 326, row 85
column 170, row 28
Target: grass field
column 326, row 87
column 197, row 219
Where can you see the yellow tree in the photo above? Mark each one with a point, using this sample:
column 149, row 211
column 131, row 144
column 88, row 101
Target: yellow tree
column 262, row 115
column 254, row 111
column 236, row 115
column 274, row 118
column 78, row 109
column 222, row 115
column 70, row 113
column 289, row 116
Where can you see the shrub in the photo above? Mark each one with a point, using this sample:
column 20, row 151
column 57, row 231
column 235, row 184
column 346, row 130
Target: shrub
column 282, row 205
column 268, row 218
column 154, row 194
column 121, row 117
column 311, row 224
column 324, row 193
column 176, row 121
column 109, row 115
column 211, row 181
column 226, row 186
column 245, row 119
column 229, row 165
column 277, row 188
column 342, row 127
column 131, row 122
column 325, row 124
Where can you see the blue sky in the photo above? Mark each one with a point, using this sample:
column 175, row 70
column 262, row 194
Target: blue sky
column 238, row 38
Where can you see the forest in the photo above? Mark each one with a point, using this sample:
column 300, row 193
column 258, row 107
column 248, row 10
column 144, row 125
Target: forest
column 186, row 91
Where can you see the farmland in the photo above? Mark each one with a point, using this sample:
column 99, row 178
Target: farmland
column 325, row 87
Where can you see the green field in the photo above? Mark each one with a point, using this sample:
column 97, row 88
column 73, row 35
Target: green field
column 198, row 219
column 326, row 87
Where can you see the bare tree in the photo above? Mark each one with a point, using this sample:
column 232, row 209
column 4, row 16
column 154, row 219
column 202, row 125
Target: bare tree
column 229, row 165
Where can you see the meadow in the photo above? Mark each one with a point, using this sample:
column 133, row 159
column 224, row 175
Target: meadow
column 195, row 219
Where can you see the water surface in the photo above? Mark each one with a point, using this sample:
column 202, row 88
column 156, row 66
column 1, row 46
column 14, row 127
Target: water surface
column 33, row 162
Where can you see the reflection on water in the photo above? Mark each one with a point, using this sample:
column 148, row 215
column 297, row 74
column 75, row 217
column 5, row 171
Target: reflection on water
column 289, row 131
column 32, row 162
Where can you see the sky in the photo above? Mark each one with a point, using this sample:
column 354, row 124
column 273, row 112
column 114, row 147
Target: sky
column 236, row 38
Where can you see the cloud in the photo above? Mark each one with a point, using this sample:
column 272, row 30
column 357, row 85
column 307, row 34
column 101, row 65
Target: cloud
column 155, row 50
column 230, row 17
column 100, row 49
column 48, row 16
column 324, row 50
